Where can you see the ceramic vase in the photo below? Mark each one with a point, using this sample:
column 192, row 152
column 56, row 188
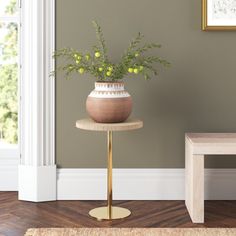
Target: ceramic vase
column 109, row 102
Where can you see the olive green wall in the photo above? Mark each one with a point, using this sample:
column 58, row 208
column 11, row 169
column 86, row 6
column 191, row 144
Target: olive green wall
column 197, row 94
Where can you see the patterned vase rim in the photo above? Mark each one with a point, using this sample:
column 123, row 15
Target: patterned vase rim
column 109, row 82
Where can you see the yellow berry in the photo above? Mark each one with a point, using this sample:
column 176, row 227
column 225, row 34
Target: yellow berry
column 136, row 71
column 100, row 69
column 77, row 61
column 136, row 54
column 110, row 68
column 141, row 68
column 108, row 73
column 79, row 57
column 97, row 54
column 81, row 70
column 75, row 55
column 130, row 70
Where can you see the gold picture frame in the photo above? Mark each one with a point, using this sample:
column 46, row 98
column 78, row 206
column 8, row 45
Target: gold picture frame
column 207, row 27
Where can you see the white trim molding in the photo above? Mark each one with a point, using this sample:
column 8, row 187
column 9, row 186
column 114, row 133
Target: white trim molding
column 141, row 184
column 37, row 183
column 37, row 163
column 9, row 173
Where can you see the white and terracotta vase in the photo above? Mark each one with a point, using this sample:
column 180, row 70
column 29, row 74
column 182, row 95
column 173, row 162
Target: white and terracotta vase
column 109, row 102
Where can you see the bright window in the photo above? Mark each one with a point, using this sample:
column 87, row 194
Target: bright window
column 9, row 74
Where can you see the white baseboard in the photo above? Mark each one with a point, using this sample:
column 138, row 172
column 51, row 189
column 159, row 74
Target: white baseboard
column 135, row 184
column 141, row 184
column 9, row 174
column 37, row 183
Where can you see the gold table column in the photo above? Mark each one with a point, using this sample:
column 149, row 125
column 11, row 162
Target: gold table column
column 109, row 212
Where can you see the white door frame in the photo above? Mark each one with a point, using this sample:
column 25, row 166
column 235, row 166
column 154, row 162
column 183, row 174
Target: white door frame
column 37, row 169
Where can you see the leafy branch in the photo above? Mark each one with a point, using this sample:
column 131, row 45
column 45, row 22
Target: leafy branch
column 133, row 61
column 101, row 41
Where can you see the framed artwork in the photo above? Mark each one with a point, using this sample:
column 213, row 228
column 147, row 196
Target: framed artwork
column 218, row 14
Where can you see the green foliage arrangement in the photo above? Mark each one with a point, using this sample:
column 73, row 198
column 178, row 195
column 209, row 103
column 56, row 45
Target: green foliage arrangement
column 134, row 61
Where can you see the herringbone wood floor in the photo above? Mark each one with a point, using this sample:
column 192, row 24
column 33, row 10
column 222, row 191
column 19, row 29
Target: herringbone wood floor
column 16, row 216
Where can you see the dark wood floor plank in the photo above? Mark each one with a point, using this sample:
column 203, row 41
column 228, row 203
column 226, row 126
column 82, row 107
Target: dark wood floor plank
column 17, row 216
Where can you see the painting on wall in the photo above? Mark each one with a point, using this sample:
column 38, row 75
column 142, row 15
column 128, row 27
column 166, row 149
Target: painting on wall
column 218, row 14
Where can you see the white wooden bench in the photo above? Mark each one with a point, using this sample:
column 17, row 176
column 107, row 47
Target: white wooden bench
column 196, row 146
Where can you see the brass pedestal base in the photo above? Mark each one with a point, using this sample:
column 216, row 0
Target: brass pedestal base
column 102, row 213
column 109, row 212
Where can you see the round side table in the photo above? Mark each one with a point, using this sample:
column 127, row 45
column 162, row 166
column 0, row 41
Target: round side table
column 109, row 212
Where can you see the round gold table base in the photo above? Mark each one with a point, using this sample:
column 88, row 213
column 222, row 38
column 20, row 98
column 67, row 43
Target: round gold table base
column 102, row 213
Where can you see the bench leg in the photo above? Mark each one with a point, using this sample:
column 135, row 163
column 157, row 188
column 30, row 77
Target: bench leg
column 194, row 184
